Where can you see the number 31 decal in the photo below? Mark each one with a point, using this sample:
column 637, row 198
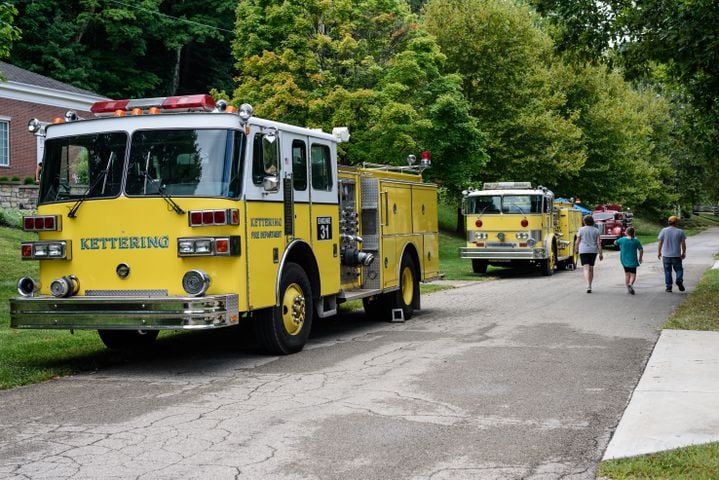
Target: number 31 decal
column 324, row 228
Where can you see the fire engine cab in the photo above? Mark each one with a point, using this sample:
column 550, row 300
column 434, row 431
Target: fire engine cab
column 514, row 224
column 182, row 213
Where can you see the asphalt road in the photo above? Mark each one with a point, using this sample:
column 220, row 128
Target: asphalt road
column 525, row 377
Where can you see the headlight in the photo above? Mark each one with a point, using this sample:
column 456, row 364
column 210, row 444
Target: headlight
column 208, row 246
column 522, row 235
column 480, row 236
column 53, row 249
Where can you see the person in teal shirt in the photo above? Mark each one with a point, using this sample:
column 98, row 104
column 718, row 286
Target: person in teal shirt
column 630, row 254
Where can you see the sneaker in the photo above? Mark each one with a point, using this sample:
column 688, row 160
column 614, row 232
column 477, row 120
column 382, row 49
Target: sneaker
column 589, row 290
column 681, row 286
column 668, row 290
column 631, row 289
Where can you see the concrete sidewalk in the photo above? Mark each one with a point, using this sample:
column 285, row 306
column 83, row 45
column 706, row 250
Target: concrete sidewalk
column 676, row 402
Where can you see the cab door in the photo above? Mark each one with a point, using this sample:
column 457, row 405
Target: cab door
column 265, row 224
column 295, row 159
column 324, row 212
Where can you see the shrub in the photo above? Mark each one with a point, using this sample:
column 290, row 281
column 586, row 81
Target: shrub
column 11, row 217
column 15, row 179
column 4, row 179
column 29, row 181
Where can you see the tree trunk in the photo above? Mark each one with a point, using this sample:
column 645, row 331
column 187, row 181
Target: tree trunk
column 460, row 222
column 176, row 72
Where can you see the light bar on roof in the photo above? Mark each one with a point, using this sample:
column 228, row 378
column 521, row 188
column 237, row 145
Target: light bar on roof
column 506, row 185
column 181, row 103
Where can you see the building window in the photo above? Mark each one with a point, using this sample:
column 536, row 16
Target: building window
column 4, row 142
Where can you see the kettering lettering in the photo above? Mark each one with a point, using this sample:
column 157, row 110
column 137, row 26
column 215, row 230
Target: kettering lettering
column 265, row 222
column 123, row 243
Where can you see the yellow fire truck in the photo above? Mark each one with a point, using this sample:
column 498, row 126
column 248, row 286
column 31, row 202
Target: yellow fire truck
column 182, row 213
column 513, row 224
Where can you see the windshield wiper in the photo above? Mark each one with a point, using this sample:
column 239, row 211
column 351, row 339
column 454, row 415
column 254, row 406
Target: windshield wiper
column 103, row 176
column 163, row 194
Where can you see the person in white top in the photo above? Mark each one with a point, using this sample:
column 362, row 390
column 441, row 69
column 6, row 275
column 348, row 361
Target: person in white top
column 589, row 246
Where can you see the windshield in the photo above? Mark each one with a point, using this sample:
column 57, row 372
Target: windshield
column 83, row 165
column 601, row 217
column 522, row 204
column 185, row 163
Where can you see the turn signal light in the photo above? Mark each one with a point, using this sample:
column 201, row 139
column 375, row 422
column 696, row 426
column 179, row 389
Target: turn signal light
column 478, row 223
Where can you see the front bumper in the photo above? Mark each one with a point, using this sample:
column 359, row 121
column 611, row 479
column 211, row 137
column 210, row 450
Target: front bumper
column 502, row 253
column 125, row 313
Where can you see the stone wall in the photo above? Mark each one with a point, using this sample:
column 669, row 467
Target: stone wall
column 18, row 196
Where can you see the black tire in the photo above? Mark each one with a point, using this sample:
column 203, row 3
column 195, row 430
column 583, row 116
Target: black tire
column 573, row 260
column 549, row 264
column 407, row 297
column 128, row 339
column 479, row 266
column 285, row 328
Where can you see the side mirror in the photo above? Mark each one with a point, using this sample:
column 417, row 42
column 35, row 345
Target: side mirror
column 271, row 183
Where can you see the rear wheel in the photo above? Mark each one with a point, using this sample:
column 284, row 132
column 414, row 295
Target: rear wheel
column 128, row 339
column 407, row 297
column 285, row 328
column 479, row 266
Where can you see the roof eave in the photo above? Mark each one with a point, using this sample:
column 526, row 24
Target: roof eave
column 48, row 96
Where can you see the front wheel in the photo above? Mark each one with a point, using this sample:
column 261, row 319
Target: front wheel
column 128, row 339
column 549, row 264
column 285, row 328
column 573, row 260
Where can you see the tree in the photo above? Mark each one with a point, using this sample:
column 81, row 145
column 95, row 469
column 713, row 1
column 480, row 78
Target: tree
column 670, row 44
column 366, row 65
column 512, row 87
column 8, row 32
column 121, row 50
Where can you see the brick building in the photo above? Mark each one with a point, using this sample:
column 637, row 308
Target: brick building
column 25, row 95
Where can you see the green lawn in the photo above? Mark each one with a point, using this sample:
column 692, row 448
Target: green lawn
column 700, row 462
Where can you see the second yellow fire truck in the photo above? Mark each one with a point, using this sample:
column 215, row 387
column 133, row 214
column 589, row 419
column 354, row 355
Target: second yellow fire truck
column 514, row 224
column 179, row 213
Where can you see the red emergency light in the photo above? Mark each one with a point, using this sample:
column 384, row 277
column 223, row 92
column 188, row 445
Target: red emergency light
column 155, row 105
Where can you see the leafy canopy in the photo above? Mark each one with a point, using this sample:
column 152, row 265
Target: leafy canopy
column 366, row 65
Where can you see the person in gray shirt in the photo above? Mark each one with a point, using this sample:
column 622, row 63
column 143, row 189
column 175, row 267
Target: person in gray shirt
column 672, row 250
column 589, row 245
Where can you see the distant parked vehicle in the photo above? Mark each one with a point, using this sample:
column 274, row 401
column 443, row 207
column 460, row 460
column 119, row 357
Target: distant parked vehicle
column 612, row 220
column 713, row 209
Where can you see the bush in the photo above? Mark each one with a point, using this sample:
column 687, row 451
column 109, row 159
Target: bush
column 29, row 181
column 4, row 179
column 15, row 179
column 10, row 217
